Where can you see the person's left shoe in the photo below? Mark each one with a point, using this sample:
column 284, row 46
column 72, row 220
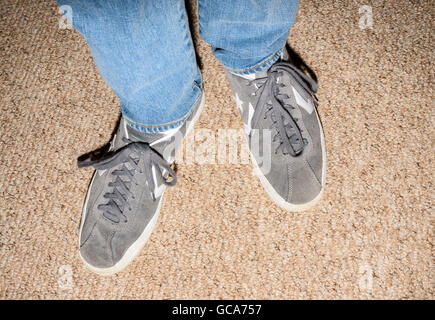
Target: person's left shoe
column 278, row 108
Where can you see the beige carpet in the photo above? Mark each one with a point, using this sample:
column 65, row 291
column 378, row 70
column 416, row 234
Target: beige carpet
column 371, row 236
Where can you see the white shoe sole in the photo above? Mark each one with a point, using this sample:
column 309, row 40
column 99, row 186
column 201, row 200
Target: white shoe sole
column 270, row 190
column 137, row 246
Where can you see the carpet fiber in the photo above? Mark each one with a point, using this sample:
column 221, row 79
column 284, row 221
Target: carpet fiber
column 371, row 236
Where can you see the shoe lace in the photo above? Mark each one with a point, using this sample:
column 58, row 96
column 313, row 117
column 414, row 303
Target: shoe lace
column 131, row 153
column 270, row 97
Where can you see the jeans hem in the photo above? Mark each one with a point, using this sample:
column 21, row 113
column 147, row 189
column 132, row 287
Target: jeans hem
column 155, row 129
column 166, row 126
column 265, row 63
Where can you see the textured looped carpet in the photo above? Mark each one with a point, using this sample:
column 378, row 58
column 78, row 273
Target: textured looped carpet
column 371, row 236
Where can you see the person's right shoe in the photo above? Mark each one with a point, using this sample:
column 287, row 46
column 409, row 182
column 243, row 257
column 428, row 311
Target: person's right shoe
column 278, row 108
column 125, row 195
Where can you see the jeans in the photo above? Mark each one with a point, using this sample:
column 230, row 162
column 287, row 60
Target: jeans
column 143, row 49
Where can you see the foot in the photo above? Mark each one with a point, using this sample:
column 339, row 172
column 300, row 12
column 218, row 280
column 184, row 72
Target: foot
column 278, row 108
column 125, row 195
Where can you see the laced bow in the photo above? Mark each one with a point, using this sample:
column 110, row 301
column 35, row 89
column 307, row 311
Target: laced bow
column 140, row 157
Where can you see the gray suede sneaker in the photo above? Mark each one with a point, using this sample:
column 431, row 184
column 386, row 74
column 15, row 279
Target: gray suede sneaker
column 278, row 108
column 124, row 198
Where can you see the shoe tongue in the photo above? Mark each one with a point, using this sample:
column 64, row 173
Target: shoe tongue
column 158, row 141
column 125, row 131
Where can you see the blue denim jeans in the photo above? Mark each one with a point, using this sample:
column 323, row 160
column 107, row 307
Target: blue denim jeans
column 144, row 51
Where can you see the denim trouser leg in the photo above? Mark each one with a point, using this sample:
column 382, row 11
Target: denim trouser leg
column 246, row 35
column 144, row 52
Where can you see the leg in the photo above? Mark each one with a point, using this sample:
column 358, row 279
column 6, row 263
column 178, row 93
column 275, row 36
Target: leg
column 246, row 36
column 144, row 52
column 276, row 100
